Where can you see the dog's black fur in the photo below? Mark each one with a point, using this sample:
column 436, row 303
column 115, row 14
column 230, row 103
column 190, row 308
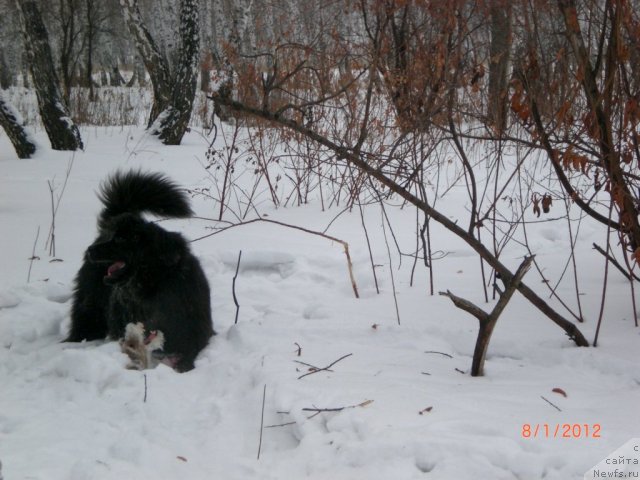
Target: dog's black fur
column 136, row 271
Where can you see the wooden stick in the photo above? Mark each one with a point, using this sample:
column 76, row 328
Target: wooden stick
column 488, row 321
column 327, row 368
column 554, row 406
column 615, row 262
column 439, row 353
column 264, row 395
column 33, row 255
column 235, row 298
column 337, row 409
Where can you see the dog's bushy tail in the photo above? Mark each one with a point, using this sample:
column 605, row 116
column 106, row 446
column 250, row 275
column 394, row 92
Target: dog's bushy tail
column 138, row 192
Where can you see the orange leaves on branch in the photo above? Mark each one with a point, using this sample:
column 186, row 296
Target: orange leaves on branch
column 478, row 74
column 575, row 161
column 519, row 103
column 626, row 220
column 591, row 125
column 545, row 202
column 563, row 115
column 571, row 19
column 617, row 195
column 536, row 205
column 631, row 112
column 636, row 255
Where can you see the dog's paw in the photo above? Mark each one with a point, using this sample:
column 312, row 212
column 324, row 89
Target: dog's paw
column 141, row 349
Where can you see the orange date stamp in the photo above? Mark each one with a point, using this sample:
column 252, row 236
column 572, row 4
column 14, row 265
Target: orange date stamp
column 561, row 430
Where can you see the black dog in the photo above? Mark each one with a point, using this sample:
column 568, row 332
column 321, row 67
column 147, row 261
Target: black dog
column 137, row 272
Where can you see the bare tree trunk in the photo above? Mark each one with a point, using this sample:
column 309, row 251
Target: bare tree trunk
column 90, row 34
column 172, row 97
column 174, row 121
column 5, row 74
column 12, row 123
column 499, row 59
column 62, row 131
column 154, row 61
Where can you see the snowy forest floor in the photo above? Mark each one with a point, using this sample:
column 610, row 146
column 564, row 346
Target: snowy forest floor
column 72, row 411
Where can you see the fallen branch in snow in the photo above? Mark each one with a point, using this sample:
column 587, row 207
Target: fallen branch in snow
column 439, row 353
column 278, row 425
column 312, row 367
column 488, row 321
column 264, row 395
column 235, row 298
column 344, row 244
column 325, row 369
column 318, row 411
column 550, row 403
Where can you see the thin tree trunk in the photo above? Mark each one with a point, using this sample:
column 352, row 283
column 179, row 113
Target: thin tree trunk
column 90, row 38
column 500, row 56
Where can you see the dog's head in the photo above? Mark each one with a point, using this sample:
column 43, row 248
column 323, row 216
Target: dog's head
column 132, row 246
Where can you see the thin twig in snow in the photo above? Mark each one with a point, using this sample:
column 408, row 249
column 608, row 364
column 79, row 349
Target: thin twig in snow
column 52, row 230
column 54, row 206
column 235, row 298
column 280, row 425
column 311, row 367
column 327, row 368
column 317, row 411
column 33, row 254
column 439, row 353
column 264, row 395
column 366, row 236
column 393, row 282
column 550, row 403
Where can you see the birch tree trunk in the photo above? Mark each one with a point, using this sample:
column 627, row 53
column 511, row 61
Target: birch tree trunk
column 173, row 95
column 12, row 123
column 62, row 131
column 173, row 122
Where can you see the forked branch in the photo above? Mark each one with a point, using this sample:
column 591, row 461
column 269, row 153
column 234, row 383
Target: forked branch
column 488, row 320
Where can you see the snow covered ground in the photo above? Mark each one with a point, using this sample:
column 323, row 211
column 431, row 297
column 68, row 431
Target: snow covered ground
column 72, row 411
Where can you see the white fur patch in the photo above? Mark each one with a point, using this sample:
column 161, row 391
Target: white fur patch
column 140, row 347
